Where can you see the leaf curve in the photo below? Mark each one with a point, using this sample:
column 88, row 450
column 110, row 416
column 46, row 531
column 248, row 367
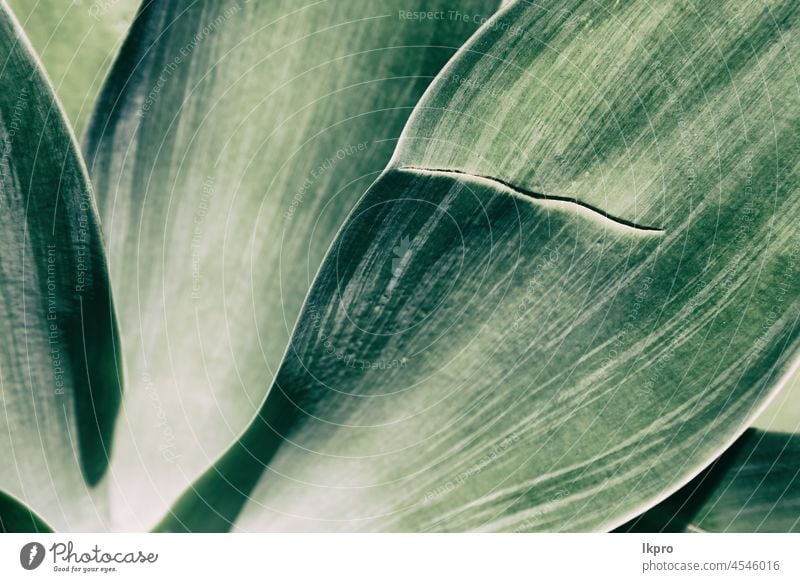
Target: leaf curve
column 16, row 518
column 585, row 371
column 77, row 42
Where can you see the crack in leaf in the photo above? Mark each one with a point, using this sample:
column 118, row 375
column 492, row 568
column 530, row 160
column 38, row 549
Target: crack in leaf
column 618, row 222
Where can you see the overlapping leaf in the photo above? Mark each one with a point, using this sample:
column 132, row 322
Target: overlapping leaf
column 753, row 487
column 59, row 379
column 229, row 144
column 570, row 292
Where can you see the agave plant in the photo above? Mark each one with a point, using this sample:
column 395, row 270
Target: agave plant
column 400, row 266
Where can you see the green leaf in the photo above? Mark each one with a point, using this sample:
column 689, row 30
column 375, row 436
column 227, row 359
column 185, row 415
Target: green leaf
column 59, row 380
column 228, row 146
column 753, row 487
column 16, row 518
column 781, row 414
column 571, row 291
column 77, row 42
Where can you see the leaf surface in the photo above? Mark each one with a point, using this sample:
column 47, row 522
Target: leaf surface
column 572, row 289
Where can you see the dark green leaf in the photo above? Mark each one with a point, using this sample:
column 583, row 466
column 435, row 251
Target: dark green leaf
column 16, row 518
column 59, row 378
